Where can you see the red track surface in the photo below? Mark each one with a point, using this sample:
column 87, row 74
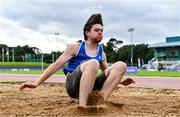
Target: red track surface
column 146, row 82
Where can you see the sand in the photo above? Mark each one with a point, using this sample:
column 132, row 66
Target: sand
column 51, row 99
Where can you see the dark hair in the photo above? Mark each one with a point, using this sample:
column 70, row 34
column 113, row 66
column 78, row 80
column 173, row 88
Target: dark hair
column 94, row 19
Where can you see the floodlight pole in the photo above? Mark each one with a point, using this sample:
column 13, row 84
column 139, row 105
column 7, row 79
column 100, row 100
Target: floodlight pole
column 131, row 30
column 56, row 43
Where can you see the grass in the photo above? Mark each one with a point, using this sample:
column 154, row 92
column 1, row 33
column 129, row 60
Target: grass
column 23, row 64
column 157, row 73
column 28, row 72
column 140, row 73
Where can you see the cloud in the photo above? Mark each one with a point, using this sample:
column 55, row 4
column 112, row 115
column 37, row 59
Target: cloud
column 15, row 34
column 34, row 22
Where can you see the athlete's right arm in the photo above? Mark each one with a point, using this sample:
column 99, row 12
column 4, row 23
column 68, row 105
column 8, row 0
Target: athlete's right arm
column 67, row 55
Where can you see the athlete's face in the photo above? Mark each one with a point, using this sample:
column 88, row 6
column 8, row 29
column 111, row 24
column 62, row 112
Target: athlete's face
column 96, row 33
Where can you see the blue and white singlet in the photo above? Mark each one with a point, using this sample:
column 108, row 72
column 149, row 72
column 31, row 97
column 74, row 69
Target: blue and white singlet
column 82, row 56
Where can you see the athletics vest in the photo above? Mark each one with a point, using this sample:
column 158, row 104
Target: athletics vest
column 81, row 57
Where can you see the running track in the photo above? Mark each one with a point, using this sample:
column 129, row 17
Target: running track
column 146, row 82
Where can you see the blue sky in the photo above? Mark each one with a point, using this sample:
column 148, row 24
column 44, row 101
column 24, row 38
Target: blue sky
column 34, row 22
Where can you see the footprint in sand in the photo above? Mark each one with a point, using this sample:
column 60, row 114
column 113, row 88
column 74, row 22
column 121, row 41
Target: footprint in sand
column 119, row 105
column 92, row 108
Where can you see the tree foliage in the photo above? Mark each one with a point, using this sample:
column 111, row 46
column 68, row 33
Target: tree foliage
column 116, row 53
column 113, row 49
column 22, row 52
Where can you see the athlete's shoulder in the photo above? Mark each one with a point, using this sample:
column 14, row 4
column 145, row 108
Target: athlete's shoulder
column 74, row 45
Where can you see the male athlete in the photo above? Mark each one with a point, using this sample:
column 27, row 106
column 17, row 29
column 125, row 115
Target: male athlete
column 84, row 59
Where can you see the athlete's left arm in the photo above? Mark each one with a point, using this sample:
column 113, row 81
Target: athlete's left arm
column 104, row 64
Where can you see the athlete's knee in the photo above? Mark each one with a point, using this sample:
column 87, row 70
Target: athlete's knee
column 90, row 64
column 94, row 64
column 121, row 66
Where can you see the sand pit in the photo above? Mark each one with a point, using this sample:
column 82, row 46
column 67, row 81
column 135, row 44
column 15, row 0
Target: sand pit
column 52, row 100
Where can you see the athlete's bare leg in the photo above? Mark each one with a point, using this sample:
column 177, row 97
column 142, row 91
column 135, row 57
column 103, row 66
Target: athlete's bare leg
column 114, row 75
column 89, row 70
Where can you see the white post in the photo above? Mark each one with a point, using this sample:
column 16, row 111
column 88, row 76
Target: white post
column 13, row 54
column 53, row 57
column 42, row 61
column 2, row 54
column 7, row 53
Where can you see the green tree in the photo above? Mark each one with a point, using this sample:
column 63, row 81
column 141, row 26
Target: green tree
column 111, row 49
column 114, row 53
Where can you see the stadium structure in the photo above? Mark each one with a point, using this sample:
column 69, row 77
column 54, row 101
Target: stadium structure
column 166, row 55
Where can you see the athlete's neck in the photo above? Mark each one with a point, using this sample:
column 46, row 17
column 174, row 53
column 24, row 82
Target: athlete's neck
column 91, row 45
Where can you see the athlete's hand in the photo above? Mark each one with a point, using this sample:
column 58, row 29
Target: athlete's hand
column 127, row 81
column 27, row 85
